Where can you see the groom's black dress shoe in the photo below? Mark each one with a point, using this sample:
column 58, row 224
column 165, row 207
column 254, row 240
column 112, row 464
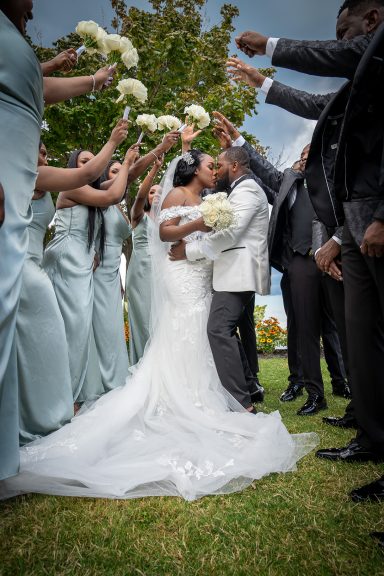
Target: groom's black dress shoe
column 258, row 394
column 379, row 537
column 314, row 404
column 340, row 421
column 292, row 392
column 354, row 452
column 373, row 492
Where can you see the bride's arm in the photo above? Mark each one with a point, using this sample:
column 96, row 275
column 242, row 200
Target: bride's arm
column 170, row 230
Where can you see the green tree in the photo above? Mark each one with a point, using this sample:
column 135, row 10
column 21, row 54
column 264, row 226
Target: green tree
column 182, row 62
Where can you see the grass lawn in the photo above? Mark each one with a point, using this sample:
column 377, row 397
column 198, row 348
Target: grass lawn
column 296, row 524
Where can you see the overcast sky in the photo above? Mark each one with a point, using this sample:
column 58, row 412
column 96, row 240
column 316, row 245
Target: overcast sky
column 284, row 133
column 302, row 19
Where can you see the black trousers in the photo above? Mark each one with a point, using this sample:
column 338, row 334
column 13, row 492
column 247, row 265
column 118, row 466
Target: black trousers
column 364, row 318
column 231, row 362
column 309, row 312
column 247, row 332
column 335, row 291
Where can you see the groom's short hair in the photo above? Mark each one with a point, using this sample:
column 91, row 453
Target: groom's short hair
column 237, row 154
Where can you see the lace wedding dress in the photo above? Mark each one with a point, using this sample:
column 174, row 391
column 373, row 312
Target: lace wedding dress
column 171, row 430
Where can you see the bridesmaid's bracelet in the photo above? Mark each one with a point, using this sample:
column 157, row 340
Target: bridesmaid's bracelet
column 93, row 82
column 154, row 155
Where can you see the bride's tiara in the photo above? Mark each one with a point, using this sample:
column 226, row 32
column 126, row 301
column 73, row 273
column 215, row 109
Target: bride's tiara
column 188, row 158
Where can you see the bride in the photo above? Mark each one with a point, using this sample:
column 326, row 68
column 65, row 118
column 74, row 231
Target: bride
column 171, row 430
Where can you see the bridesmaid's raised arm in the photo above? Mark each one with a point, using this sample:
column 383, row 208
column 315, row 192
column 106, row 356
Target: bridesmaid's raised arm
column 57, row 179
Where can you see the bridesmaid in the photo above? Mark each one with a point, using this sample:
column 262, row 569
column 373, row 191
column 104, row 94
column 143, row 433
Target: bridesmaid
column 108, row 363
column 21, row 108
column 45, row 392
column 138, row 280
column 69, row 257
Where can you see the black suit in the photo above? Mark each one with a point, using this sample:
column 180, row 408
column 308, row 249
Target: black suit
column 347, row 180
column 302, row 283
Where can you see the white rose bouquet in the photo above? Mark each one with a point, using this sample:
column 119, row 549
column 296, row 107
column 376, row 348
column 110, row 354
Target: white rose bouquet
column 198, row 115
column 132, row 87
column 147, row 122
column 217, row 211
column 116, row 47
column 168, row 123
column 92, row 34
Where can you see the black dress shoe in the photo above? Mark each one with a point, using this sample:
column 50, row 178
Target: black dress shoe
column 379, row 536
column 369, row 492
column 341, row 389
column 354, row 452
column 340, row 421
column 292, row 392
column 258, row 394
column 314, row 404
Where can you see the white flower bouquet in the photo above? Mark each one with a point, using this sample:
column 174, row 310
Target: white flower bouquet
column 198, row 114
column 132, row 87
column 116, row 47
column 147, row 122
column 93, row 36
column 217, row 211
column 168, row 123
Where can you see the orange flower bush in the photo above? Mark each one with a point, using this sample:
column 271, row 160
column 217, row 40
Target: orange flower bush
column 270, row 335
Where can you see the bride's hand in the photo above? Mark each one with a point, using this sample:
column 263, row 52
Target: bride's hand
column 200, row 226
column 177, row 251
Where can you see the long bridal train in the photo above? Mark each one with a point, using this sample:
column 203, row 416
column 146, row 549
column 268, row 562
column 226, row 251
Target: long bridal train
column 171, row 430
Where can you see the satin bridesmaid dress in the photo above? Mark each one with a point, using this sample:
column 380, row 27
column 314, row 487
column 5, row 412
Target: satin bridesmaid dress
column 21, row 109
column 138, row 290
column 108, row 364
column 45, row 392
column 69, row 263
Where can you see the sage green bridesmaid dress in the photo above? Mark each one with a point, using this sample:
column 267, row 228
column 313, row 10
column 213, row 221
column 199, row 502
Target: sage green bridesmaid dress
column 21, row 109
column 45, row 392
column 108, row 354
column 69, row 264
column 138, row 290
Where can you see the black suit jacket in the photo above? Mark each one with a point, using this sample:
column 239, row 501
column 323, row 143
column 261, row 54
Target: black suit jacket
column 346, row 157
column 277, row 186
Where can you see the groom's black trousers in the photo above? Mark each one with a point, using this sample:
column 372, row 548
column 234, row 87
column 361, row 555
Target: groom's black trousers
column 231, row 363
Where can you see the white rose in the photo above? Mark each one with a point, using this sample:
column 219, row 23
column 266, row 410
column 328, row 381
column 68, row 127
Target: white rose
column 198, row 115
column 131, row 86
column 125, row 44
column 87, row 28
column 210, row 214
column 100, row 37
column 112, row 43
column 130, row 58
column 168, row 123
column 147, row 122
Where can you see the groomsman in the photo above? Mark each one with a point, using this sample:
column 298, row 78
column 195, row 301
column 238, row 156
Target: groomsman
column 290, row 248
column 346, row 181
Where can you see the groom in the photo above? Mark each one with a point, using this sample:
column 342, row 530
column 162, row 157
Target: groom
column 240, row 269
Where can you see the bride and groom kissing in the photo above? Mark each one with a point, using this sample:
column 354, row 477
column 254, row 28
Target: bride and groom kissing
column 240, row 268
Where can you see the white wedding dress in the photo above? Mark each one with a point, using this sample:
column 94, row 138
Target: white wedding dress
column 171, row 430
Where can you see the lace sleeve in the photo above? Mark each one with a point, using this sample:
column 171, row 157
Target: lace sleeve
column 191, row 212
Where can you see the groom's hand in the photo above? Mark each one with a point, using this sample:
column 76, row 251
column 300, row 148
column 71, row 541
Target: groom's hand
column 177, row 251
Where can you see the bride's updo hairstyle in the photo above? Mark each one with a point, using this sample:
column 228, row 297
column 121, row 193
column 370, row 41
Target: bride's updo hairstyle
column 186, row 167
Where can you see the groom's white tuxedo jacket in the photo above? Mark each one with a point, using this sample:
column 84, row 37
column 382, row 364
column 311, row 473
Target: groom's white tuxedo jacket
column 240, row 253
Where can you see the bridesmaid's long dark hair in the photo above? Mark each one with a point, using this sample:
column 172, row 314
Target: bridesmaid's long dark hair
column 92, row 210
